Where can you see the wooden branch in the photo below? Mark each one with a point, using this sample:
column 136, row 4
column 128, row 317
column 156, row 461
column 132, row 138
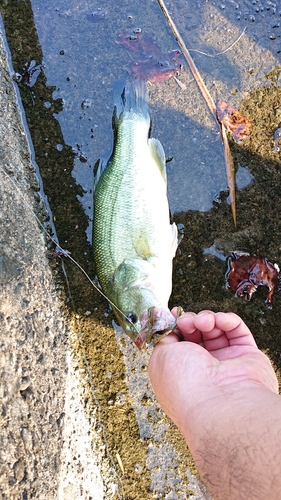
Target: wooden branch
column 230, row 171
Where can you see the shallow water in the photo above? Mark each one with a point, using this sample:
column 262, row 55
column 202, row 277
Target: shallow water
column 69, row 110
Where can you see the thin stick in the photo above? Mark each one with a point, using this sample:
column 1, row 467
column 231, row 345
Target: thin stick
column 211, row 105
column 230, row 172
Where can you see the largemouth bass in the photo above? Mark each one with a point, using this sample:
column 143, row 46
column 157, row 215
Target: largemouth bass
column 133, row 240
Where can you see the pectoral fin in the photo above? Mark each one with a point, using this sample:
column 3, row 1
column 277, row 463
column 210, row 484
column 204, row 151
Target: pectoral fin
column 157, row 152
column 174, row 239
column 101, row 168
column 131, row 272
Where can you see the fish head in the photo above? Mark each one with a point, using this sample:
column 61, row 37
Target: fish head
column 140, row 308
column 156, row 323
column 143, row 318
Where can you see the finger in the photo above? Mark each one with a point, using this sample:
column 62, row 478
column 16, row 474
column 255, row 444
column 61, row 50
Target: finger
column 172, row 338
column 216, row 344
column 214, row 333
column 205, row 322
column 175, row 312
column 185, row 322
column 235, row 329
column 213, row 337
column 187, row 329
column 178, row 330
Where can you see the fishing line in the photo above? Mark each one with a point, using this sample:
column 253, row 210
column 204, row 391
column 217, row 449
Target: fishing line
column 65, row 253
column 224, row 51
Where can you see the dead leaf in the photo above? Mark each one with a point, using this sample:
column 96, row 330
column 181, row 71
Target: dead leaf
column 233, row 121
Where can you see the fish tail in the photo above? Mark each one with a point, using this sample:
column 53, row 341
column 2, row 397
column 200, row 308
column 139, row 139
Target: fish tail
column 131, row 99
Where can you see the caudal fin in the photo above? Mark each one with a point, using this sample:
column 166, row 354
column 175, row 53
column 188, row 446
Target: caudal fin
column 131, row 99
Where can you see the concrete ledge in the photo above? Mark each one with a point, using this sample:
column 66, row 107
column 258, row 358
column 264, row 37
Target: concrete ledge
column 46, row 448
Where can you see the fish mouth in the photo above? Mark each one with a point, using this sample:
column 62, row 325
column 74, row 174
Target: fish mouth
column 156, row 323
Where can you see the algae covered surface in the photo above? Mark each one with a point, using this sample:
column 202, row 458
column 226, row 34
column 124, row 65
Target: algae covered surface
column 69, row 111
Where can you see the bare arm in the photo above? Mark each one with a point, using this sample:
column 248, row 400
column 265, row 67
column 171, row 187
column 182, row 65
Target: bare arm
column 222, row 393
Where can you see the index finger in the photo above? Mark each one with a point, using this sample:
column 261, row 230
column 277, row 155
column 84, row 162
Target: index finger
column 187, row 329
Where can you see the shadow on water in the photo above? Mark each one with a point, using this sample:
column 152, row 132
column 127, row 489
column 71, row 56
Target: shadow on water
column 198, row 280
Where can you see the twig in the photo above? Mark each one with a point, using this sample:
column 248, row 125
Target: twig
column 211, row 105
column 230, row 172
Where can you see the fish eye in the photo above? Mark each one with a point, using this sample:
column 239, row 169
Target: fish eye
column 132, row 317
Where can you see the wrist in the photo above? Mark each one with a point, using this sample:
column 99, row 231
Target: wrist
column 236, row 441
column 231, row 410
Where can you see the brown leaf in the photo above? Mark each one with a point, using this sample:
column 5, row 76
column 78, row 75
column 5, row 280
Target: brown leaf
column 234, row 121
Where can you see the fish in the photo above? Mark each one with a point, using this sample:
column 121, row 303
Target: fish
column 134, row 242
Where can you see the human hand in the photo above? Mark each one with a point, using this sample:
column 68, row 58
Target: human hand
column 217, row 357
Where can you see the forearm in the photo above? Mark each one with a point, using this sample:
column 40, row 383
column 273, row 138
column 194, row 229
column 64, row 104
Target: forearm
column 235, row 440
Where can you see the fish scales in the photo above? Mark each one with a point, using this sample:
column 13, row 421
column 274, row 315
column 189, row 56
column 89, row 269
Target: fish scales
column 133, row 240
